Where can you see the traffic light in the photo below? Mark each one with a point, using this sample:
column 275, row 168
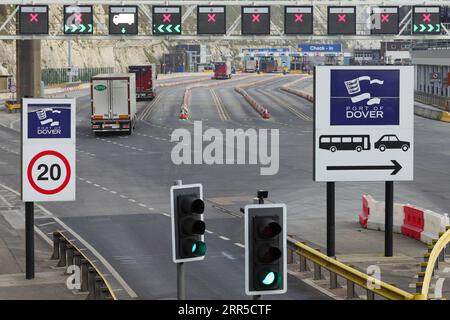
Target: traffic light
column 265, row 249
column 188, row 227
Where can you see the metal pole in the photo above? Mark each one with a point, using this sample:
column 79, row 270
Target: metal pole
column 69, row 58
column 389, row 220
column 331, row 241
column 181, row 282
column 29, row 240
column 258, row 296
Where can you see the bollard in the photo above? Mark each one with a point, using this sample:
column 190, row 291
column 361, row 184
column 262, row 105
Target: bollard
column 290, row 256
column 419, row 286
column 351, row 294
column 317, row 271
column 69, row 252
column 91, row 283
column 98, row 285
column 333, row 280
column 370, row 295
column 56, row 242
column 303, row 264
column 62, row 253
column 84, row 275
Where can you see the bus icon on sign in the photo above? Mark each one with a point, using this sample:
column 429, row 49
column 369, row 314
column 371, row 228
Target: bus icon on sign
column 334, row 143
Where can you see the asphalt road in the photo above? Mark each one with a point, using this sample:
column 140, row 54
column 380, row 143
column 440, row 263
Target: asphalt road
column 123, row 186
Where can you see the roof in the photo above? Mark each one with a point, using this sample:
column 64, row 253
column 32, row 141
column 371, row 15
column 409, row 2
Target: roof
column 111, row 75
column 437, row 57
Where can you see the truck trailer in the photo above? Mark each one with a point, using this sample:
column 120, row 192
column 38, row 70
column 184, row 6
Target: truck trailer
column 222, row 70
column 145, row 80
column 113, row 102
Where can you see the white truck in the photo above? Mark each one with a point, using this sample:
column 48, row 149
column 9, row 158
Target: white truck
column 113, row 102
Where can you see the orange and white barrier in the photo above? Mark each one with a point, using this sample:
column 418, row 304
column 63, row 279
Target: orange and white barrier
column 411, row 221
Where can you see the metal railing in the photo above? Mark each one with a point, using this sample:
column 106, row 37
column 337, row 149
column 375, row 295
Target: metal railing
column 433, row 100
column 91, row 279
column 59, row 75
column 350, row 274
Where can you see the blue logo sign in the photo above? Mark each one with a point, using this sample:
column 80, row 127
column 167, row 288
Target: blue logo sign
column 365, row 97
column 46, row 121
column 330, row 48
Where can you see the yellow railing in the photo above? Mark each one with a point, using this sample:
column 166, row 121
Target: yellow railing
column 350, row 274
column 440, row 245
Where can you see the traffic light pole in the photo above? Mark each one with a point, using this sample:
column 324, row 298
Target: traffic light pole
column 181, row 281
column 260, row 200
column 29, row 240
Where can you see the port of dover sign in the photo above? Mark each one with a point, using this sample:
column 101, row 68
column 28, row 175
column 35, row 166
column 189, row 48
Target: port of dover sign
column 48, row 149
column 364, row 123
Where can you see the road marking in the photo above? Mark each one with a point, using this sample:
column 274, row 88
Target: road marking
column 228, row 256
column 111, row 270
column 208, row 231
column 239, row 245
column 224, row 238
column 131, row 200
column 143, row 205
column 46, row 224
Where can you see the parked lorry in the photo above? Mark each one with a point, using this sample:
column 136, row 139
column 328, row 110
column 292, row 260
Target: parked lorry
column 113, row 102
column 250, row 65
column 222, row 70
column 145, row 80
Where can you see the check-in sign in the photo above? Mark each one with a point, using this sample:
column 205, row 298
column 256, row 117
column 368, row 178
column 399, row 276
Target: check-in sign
column 364, row 123
column 48, row 149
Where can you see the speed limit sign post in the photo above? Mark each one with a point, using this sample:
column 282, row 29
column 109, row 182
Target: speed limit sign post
column 48, row 159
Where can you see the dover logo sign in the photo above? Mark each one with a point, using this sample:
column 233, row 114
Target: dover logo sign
column 48, row 149
column 364, row 123
column 45, row 122
column 365, row 97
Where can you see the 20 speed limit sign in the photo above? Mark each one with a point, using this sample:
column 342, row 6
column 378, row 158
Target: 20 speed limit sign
column 48, row 152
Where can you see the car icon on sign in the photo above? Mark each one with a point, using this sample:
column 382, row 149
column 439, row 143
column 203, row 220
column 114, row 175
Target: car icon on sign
column 391, row 141
column 126, row 18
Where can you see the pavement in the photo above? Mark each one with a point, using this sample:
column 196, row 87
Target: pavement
column 122, row 206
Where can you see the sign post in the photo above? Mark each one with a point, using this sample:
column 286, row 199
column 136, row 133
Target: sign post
column 48, row 159
column 364, row 131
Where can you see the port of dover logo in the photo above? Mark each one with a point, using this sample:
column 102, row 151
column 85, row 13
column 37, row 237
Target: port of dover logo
column 365, row 97
column 45, row 122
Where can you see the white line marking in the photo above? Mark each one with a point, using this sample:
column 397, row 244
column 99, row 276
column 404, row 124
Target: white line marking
column 143, row 205
column 113, row 192
column 131, row 200
column 208, row 231
column 239, row 244
column 224, row 238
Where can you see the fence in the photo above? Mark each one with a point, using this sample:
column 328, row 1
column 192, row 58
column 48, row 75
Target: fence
column 59, row 75
column 433, row 100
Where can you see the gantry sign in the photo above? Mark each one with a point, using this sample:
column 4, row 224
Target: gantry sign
column 256, row 18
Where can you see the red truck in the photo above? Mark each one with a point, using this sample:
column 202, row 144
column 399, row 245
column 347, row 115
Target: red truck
column 222, row 70
column 145, row 80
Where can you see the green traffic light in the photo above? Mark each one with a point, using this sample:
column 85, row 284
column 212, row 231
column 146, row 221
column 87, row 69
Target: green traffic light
column 198, row 248
column 269, row 278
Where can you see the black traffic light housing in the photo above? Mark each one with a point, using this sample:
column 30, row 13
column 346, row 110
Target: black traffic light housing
column 188, row 227
column 265, row 249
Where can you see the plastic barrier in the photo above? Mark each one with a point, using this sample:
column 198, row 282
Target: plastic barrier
column 434, row 223
column 413, row 223
column 364, row 214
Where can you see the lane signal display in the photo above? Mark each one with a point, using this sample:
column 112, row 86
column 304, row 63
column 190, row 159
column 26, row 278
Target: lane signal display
column 167, row 20
column 255, row 20
column 211, row 20
column 426, row 20
column 123, row 20
column 265, row 249
column 78, row 20
column 298, row 20
column 33, row 19
column 341, row 20
column 384, row 20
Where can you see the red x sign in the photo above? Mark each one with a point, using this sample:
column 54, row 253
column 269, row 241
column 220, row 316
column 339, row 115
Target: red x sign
column 341, row 18
column 211, row 17
column 34, row 17
column 299, row 17
column 78, row 17
column 256, row 18
column 166, row 17
column 384, row 18
column 427, row 17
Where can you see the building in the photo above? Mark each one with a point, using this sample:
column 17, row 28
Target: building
column 366, row 56
column 395, row 52
column 432, row 71
column 175, row 61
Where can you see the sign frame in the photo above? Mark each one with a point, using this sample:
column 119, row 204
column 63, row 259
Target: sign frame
column 369, row 164
column 312, row 20
column 20, row 29
column 180, row 8
column 385, row 7
column 242, row 20
column 328, row 21
column 77, row 33
column 110, row 22
column 62, row 147
column 413, row 22
column 224, row 19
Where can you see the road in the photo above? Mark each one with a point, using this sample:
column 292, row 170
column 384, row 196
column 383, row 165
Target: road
column 122, row 206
